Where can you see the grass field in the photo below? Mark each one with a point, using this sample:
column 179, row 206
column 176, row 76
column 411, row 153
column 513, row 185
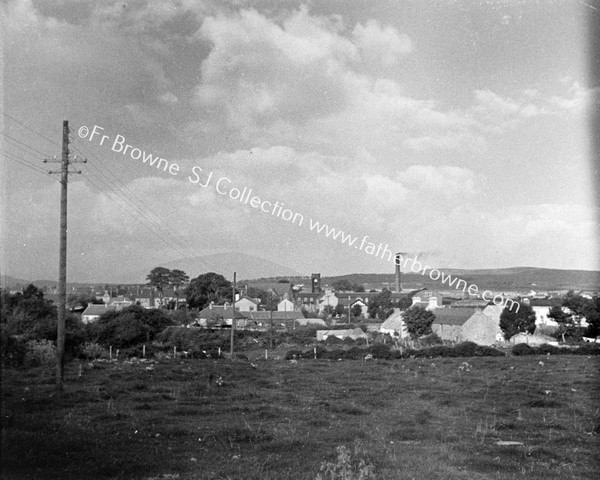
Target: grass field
column 409, row 419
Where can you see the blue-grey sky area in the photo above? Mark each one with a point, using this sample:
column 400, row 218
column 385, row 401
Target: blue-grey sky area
column 456, row 130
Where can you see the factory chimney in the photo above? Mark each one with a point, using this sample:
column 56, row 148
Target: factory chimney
column 397, row 262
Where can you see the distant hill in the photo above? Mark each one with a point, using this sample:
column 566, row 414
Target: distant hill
column 521, row 279
column 254, row 269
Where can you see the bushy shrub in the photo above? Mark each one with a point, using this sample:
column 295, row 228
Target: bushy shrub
column 199, row 341
column 485, row 351
column 12, row 350
column 523, row 349
column 354, row 353
column 380, row 351
column 549, row 349
column 293, row 354
column 92, row 350
column 430, row 340
column 588, row 349
column 465, row 349
column 333, row 340
column 129, row 327
column 40, row 352
column 436, row 351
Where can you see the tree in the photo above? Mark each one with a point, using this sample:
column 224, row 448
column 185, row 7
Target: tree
column 342, row 285
column 592, row 315
column 418, row 321
column 129, row 327
column 265, row 298
column 159, row 278
column 381, row 305
column 339, row 310
column 565, row 328
column 177, row 278
column 75, row 300
column 327, row 311
column 522, row 320
column 206, row 288
column 358, row 288
column 580, row 307
column 356, row 310
column 405, row 302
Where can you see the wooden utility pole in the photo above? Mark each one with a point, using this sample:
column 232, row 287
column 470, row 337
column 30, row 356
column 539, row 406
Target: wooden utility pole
column 232, row 318
column 62, row 260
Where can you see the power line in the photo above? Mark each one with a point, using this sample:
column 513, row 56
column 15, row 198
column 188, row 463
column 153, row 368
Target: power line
column 130, row 198
column 25, row 163
column 53, row 142
column 114, row 187
column 24, row 144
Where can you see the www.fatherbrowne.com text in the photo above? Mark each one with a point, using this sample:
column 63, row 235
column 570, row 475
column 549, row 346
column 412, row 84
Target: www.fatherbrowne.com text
column 224, row 186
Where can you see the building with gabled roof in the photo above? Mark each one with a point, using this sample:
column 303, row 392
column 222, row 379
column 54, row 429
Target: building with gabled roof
column 394, row 325
column 449, row 321
column 481, row 329
column 94, row 312
column 220, row 316
column 247, row 304
column 279, row 319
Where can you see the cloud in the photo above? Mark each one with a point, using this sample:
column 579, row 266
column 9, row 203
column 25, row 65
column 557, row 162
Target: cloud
column 382, row 47
column 259, row 72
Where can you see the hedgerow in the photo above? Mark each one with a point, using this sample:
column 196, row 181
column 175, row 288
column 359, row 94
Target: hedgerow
column 384, row 352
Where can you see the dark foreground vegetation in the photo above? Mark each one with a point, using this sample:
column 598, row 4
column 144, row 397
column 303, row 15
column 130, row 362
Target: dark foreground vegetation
column 412, row 418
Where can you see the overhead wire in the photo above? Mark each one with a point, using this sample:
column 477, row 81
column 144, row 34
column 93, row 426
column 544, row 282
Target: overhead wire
column 119, row 188
column 114, row 188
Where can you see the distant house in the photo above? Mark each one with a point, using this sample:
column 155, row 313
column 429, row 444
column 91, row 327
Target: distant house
column 449, row 321
column 286, row 305
column 428, row 299
column 275, row 289
column 394, row 325
column 94, row 312
column 120, row 302
column 279, row 320
column 308, row 300
column 220, row 316
column 328, row 299
column 494, row 312
column 247, row 304
column 481, row 329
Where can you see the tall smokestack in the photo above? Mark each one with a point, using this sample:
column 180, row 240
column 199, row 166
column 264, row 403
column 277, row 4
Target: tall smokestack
column 397, row 262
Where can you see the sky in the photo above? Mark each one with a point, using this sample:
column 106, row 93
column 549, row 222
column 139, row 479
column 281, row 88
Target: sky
column 457, row 131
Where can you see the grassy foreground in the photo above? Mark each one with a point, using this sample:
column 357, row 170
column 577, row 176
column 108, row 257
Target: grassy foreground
column 409, row 419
